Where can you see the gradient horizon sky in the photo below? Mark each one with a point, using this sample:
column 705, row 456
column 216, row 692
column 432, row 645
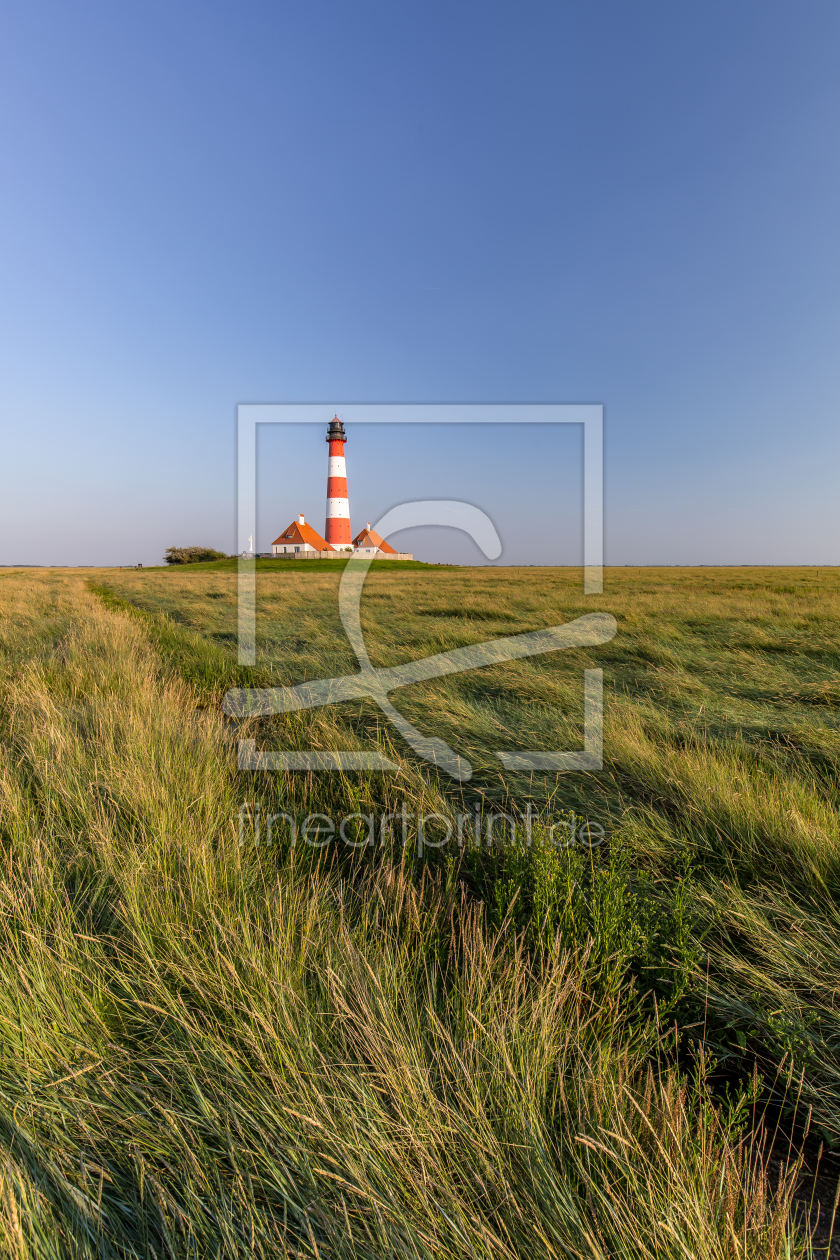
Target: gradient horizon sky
column 633, row 205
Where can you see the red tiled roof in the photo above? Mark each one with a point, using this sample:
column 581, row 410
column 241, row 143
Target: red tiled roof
column 302, row 533
column 370, row 538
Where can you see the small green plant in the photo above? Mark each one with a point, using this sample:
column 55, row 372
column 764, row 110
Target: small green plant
column 596, row 900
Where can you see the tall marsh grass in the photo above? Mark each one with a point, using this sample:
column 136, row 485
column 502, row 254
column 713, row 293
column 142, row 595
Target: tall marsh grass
column 721, row 748
column 215, row 1050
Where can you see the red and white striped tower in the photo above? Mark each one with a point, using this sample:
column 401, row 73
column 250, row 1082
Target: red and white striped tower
column 337, row 531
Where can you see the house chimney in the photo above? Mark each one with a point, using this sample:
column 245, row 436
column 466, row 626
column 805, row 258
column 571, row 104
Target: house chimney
column 301, row 521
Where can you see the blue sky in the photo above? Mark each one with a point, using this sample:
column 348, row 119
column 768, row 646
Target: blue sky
column 208, row 204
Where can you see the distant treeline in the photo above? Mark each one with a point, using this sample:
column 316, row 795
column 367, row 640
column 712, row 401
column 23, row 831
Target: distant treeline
column 192, row 555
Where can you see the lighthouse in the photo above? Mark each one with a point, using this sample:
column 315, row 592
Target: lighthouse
column 337, row 531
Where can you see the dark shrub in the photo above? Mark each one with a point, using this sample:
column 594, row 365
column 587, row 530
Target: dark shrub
column 192, row 555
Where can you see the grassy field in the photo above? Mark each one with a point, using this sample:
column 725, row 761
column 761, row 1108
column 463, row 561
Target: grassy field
column 211, row 1045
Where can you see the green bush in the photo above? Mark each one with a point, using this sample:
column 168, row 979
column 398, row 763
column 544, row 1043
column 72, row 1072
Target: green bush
column 192, row 555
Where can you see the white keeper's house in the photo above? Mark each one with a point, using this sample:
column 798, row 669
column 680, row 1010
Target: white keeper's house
column 301, row 540
column 368, row 543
